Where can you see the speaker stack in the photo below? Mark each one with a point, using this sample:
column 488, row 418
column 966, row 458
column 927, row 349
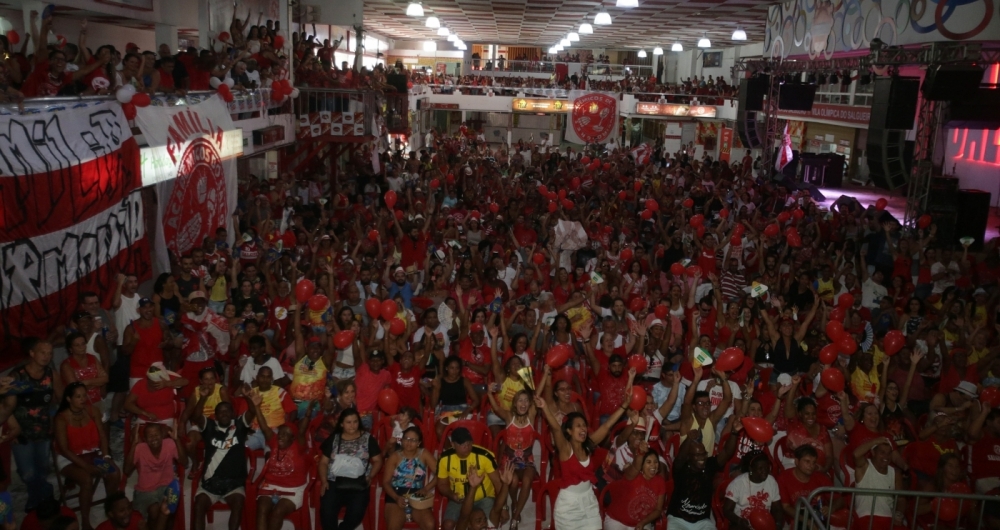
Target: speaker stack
column 894, row 108
column 751, row 101
column 972, row 216
column 942, row 206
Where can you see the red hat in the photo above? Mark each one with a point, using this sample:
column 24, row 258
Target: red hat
column 131, row 46
column 476, row 326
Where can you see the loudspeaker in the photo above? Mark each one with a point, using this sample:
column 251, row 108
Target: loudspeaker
column 952, row 82
column 972, row 216
column 886, row 153
column 945, row 222
column 749, row 129
column 943, row 195
column 796, row 96
column 894, row 105
column 752, row 92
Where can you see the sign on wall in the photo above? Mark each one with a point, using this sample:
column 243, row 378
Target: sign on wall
column 675, row 109
column 539, row 105
column 594, row 118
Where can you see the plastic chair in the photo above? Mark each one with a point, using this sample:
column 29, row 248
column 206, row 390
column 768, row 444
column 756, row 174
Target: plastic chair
column 249, row 508
column 437, row 510
column 780, row 456
column 846, row 470
column 720, row 493
column 539, row 482
column 551, row 491
column 481, row 434
column 61, row 483
column 300, row 518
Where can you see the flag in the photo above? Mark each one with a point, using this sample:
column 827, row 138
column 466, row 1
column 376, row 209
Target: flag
column 785, row 153
column 192, row 155
column 71, row 214
column 642, row 154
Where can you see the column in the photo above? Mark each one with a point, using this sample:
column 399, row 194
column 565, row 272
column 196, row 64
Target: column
column 166, row 34
column 656, row 60
column 26, row 9
column 204, row 24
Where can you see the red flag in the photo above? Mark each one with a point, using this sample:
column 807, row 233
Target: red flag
column 785, row 153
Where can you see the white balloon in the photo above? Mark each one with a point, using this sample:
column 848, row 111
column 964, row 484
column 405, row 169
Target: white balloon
column 229, row 82
column 215, row 82
column 125, row 93
column 295, row 93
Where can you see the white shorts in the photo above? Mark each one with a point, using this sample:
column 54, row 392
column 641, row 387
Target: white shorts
column 614, row 524
column 62, row 462
column 295, row 495
column 343, row 373
column 220, row 498
column 676, row 523
column 576, row 507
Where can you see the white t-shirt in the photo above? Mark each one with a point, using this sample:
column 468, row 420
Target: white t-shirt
column 126, row 314
column 947, row 281
column 441, row 332
column 749, row 496
column 249, row 373
column 872, row 293
column 716, row 394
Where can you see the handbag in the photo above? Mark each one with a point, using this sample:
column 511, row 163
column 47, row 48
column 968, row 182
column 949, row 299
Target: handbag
column 350, row 467
column 421, row 503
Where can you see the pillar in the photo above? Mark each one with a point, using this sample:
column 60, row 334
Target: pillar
column 204, row 24
column 656, row 60
column 166, row 34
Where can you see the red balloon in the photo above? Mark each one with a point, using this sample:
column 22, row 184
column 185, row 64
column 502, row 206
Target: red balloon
column 700, row 231
column 558, row 355
column 761, row 519
column 625, row 254
column 840, row 517
column 646, row 214
column 399, row 215
column 990, row 395
column 832, row 379
column 13, row 37
column 622, row 195
column 924, row 221
column 141, row 99
column 389, row 309
column 373, row 307
column 553, row 206
column 575, row 183
column 838, row 314
column 731, row 359
column 318, row 302
column 304, row 290
column 638, row 399
column 688, row 203
column 373, row 235
column 397, row 326
column 798, row 214
column 845, row 301
column 390, row 198
column 783, row 217
column 735, row 240
column 893, row 342
column 724, row 213
column 693, row 270
column 794, row 240
column 637, row 185
column 494, row 207
column 758, row 429
column 609, row 229
column 697, row 220
column 279, row 42
column 847, row 345
column 543, row 189
column 739, row 230
column 585, row 160
column 677, row 269
column 828, row 354
column 834, row 330
column 640, row 363
column 388, row 401
column 651, row 205
column 606, row 166
column 881, row 204
column 227, row 95
column 435, row 184
column 661, row 310
column 771, row 230
column 562, row 194
column 552, row 195
column 947, row 509
column 567, row 204
column 343, row 339
column 450, row 178
column 636, row 305
column 538, row 258
column 129, row 111
column 224, row 36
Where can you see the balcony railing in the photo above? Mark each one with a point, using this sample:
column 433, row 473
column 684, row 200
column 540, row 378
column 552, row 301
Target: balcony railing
column 510, row 68
column 560, row 93
column 340, row 112
column 245, row 103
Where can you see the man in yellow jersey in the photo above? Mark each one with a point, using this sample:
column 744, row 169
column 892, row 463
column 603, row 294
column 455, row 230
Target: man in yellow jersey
column 453, row 476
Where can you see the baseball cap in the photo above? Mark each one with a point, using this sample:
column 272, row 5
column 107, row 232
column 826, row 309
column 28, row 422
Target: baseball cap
column 615, row 358
column 81, row 315
column 967, row 388
column 640, row 425
column 460, row 436
column 476, row 326
column 143, row 302
column 979, row 291
column 196, row 295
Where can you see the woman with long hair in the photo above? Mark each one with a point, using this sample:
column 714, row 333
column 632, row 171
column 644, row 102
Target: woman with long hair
column 82, row 447
column 166, row 298
column 349, row 459
column 576, row 506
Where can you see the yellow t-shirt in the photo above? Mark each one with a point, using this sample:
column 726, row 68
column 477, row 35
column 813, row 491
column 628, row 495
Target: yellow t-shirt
column 274, row 404
column 975, row 355
column 508, row 390
column 452, row 467
column 865, row 385
column 308, row 384
column 825, row 289
column 219, row 290
column 213, row 399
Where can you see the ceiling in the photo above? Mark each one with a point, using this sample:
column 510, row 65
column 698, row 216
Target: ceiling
column 545, row 22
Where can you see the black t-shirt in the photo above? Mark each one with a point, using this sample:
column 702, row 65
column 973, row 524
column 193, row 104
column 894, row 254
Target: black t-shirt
column 692, row 499
column 186, row 287
column 225, row 456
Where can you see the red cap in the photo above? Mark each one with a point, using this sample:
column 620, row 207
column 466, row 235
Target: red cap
column 476, row 326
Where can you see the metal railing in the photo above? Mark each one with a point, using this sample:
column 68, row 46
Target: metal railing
column 531, row 91
column 492, row 67
column 244, row 101
column 327, row 101
column 807, row 516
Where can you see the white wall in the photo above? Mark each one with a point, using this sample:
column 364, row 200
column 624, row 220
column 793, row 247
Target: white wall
column 98, row 34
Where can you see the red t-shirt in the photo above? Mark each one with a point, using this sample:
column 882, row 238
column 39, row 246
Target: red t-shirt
column 792, row 489
column 369, row 384
column 413, row 251
column 706, row 260
column 133, row 523
column 406, row 384
column 612, row 391
column 40, row 84
column 923, row 455
column 31, row 520
column 633, row 500
column 474, row 355
column 986, row 455
column 798, row 435
column 286, row 468
column 159, row 402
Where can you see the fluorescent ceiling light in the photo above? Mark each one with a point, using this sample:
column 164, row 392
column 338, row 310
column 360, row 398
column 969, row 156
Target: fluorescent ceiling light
column 443, row 32
column 677, row 47
column 703, row 42
column 433, row 23
column 627, row 3
column 558, row 47
column 573, row 36
column 553, row 50
column 452, row 37
column 414, row 10
column 565, row 43
column 430, row 46
column 602, row 19
column 642, row 54
column 657, row 51
column 739, row 34
column 586, row 29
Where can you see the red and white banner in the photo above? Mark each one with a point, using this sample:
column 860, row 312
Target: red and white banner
column 71, row 215
column 195, row 175
column 725, row 144
column 642, row 154
column 594, row 118
column 785, row 153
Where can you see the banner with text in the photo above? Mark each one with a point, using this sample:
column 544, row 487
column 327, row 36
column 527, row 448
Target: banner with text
column 192, row 161
column 594, row 118
column 72, row 216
